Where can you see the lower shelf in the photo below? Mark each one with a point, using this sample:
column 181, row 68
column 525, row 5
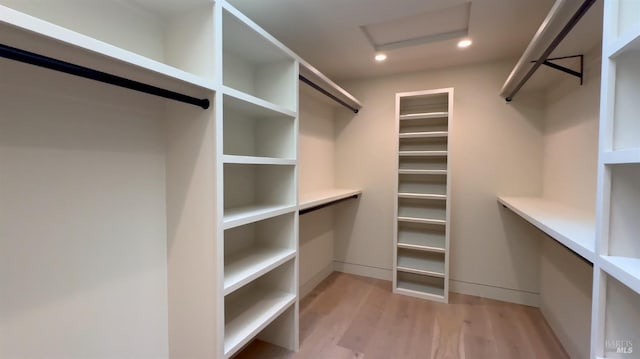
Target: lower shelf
column 248, row 314
column 421, row 237
column 420, row 286
column 624, row 269
column 420, row 262
column 252, row 263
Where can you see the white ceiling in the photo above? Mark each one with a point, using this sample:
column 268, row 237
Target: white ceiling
column 328, row 33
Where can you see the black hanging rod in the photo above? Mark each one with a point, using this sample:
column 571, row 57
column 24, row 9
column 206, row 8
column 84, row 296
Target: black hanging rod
column 320, row 206
column 578, row 74
column 77, row 70
column 586, row 5
column 328, row 94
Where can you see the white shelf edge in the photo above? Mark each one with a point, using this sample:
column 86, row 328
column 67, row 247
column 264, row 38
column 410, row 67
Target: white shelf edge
column 424, row 134
column 422, row 196
column 422, row 172
column 422, row 220
column 424, row 115
column 318, row 198
column 621, row 156
column 631, row 38
column 245, row 215
column 422, row 153
column 57, row 33
column 255, row 160
column 418, row 247
column 226, row 90
column 422, row 295
column 572, row 228
column 625, row 269
column 320, row 79
column 266, row 265
column 420, row 272
column 275, row 311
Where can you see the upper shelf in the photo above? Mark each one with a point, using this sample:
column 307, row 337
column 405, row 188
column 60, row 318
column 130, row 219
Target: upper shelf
column 29, row 33
column 320, row 82
column 326, row 196
column 424, row 115
column 574, row 228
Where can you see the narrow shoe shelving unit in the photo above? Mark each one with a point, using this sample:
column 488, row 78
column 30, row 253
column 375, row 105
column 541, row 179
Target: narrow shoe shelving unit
column 258, row 230
column 421, row 245
column 616, row 290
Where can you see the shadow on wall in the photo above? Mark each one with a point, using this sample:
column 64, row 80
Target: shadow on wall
column 344, row 218
column 522, row 240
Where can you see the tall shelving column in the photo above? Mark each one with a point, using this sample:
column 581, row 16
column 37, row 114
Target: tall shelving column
column 421, row 243
column 257, row 146
column 616, row 290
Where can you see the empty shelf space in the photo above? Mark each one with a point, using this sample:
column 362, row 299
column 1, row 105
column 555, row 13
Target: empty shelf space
column 249, row 98
column 238, row 216
column 572, row 227
column 420, row 286
column 250, row 264
column 415, row 163
column 247, row 315
column 422, row 184
column 421, row 211
column 624, row 269
column 254, row 160
column 623, row 211
column 420, row 262
column 426, row 145
column 432, row 134
column 422, row 153
column 424, row 115
column 325, row 196
column 627, row 41
column 421, row 237
column 30, row 33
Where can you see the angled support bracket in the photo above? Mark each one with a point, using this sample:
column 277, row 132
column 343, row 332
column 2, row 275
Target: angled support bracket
column 567, row 70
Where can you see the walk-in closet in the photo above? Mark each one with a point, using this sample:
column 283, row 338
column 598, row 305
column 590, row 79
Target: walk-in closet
column 213, row 179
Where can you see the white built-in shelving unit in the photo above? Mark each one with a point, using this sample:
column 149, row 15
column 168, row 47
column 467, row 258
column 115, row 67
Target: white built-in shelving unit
column 422, row 216
column 258, row 228
column 616, row 290
column 202, row 224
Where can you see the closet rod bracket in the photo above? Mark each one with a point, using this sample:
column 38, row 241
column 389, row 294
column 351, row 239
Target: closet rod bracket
column 578, row 74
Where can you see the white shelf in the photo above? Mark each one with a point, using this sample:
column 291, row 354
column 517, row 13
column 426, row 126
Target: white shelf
column 421, row 240
column 422, row 172
column 421, row 220
column 253, row 313
column 318, row 198
column 254, row 160
column 422, row 153
column 624, row 269
column 415, row 262
column 574, row 228
column 629, row 41
column 431, row 134
column 54, row 36
column 420, row 286
column 424, row 115
column 257, row 101
column 248, row 265
column 621, row 157
column 422, row 196
column 239, row 216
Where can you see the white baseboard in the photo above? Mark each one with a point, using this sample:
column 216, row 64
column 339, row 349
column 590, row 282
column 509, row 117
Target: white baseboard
column 362, row 270
column 497, row 293
column 308, row 286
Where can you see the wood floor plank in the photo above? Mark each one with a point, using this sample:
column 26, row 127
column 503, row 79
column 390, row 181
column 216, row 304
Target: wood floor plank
column 349, row 316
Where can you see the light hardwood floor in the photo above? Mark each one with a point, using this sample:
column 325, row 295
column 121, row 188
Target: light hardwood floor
column 349, row 316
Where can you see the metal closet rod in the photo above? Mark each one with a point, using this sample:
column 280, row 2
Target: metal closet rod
column 327, row 93
column 552, row 46
column 320, row 206
column 77, row 70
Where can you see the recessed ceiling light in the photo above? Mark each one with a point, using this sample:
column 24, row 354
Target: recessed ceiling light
column 464, row 43
column 380, row 57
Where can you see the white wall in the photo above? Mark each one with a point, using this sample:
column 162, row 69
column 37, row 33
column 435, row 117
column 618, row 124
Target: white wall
column 83, row 269
column 569, row 177
column 316, row 171
column 495, row 149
